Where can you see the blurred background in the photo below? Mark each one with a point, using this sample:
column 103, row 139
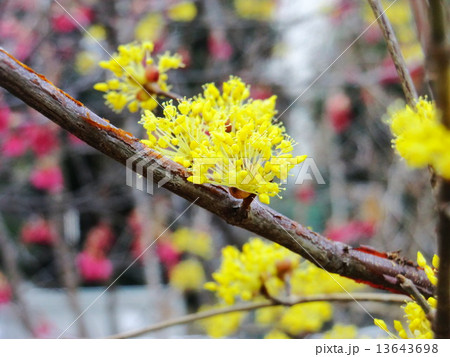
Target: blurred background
column 70, row 226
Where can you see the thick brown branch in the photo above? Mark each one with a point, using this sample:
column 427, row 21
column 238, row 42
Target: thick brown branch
column 361, row 264
column 373, row 297
column 439, row 72
column 395, row 52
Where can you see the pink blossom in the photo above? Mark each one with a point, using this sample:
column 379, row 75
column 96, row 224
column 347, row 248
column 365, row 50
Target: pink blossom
column 9, row 28
column 42, row 139
column 260, row 92
column 38, row 231
column 373, row 35
column 49, row 178
column 4, row 119
column 14, row 146
column 186, row 56
column 305, row 194
column 389, row 73
column 219, row 47
column 5, row 290
column 351, row 232
column 43, row 329
column 167, row 254
column 23, row 47
column 64, row 23
column 338, row 111
column 100, row 237
column 94, row 267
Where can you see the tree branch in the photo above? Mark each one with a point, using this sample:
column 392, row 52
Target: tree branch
column 439, row 70
column 338, row 297
column 362, row 264
column 9, row 258
column 395, row 52
column 417, row 296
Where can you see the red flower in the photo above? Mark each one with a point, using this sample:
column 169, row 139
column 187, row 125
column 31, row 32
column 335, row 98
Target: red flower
column 167, row 254
column 338, row 111
column 5, row 290
column 64, row 23
column 259, row 91
column 42, row 139
column 14, row 146
column 99, row 238
column 48, row 178
column 219, row 47
column 305, row 194
column 38, row 231
column 4, row 119
column 351, row 232
column 94, row 267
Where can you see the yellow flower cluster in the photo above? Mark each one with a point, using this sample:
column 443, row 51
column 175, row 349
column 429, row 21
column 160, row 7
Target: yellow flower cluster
column 194, row 242
column 420, row 138
column 184, row 11
column 418, row 326
column 431, row 272
column 221, row 325
column 295, row 320
column 225, row 139
column 187, row 275
column 137, row 79
column 242, row 275
column 150, row 27
column 339, row 331
column 261, row 267
column 261, row 10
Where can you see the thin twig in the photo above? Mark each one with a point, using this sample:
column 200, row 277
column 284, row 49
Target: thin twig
column 378, row 269
column 153, row 88
column 9, row 258
column 416, row 295
column 395, row 52
column 439, row 70
column 344, row 297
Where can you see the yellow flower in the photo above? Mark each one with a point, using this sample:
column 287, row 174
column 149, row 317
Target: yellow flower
column 420, row 138
column 262, row 268
column 184, row 11
column 194, row 242
column 242, row 274
column 431, row 272
column 339, row 331
column 149, row 28
column 276, row 335
column 304, row 281
column 225, row 139
column 221, row 325
column 137, row 79
column 85, row 62
column 305, row 318
column 261, row 10
column 97, row 31
column 268, row 315
column 187, row 275
column 418, row 326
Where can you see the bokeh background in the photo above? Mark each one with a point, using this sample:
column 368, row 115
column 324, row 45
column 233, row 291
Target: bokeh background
column 70, row 226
